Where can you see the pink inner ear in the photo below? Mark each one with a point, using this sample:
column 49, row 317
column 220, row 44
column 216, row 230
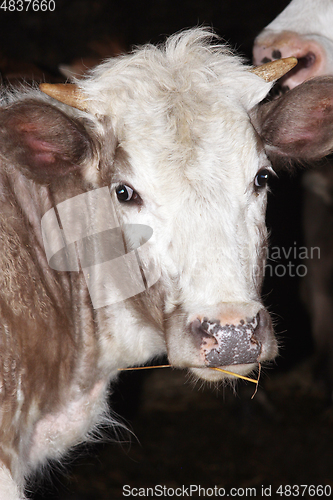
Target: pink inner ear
column 43, row 151
column 43, row 140
column 45, row 158
column 40, row 145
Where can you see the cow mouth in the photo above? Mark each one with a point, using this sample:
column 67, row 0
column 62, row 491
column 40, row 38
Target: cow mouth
column 227, row 373
column 230, row 337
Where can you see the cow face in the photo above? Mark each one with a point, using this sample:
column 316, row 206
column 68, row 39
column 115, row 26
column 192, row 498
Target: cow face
column 204, row 197
column 179, row 139
column 194, row 168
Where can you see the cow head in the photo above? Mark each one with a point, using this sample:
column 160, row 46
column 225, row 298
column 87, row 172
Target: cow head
column 178, row 136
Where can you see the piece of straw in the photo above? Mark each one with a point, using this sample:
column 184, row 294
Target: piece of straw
column 210, row 367
column 234, row 374
column 143, row 368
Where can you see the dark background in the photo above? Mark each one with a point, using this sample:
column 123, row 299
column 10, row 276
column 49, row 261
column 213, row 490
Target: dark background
column 51, row 38
column 184, row 434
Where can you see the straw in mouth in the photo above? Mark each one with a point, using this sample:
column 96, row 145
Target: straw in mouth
column 237, row 375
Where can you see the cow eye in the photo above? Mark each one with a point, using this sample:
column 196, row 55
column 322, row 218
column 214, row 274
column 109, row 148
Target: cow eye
column 124, row 193
column 262, row 178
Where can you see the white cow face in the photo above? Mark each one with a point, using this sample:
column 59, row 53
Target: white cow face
column 186, row 149
column 205, row 199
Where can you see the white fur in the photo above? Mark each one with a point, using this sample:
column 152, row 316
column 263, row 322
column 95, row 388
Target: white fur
column 181, row 160
column 59, row 431
column 181, row 113
column 8, row 488
column 307, row 17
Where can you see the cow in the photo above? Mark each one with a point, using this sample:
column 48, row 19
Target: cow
column 133, row 226
column 304, row 30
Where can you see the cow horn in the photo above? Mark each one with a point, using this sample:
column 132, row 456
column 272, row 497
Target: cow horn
column 67, row 93
column 274, row 70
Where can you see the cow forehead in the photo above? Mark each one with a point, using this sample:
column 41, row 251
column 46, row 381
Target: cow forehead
column 197, row 147
column 180, row 111
column 191, row 130
column 189, row 69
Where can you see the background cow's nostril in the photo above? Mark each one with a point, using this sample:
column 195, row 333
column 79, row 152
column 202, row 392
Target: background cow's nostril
column 307, row 61
column 254, row 339
column 276, row 54
column 265, row 60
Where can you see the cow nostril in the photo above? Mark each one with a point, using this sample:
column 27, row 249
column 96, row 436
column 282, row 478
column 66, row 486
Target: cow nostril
column 199, row 330
column 308, row 60
column 264, row 323
column 265, row 60
column 276, row 54
column 197, row 327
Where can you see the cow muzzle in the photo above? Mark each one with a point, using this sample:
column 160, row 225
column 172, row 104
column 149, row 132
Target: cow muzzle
column 236, row 342
column 311, row 55
column 235, row 337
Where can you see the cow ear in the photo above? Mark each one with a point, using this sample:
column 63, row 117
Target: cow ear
column 298, row 126
column 42, row 140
